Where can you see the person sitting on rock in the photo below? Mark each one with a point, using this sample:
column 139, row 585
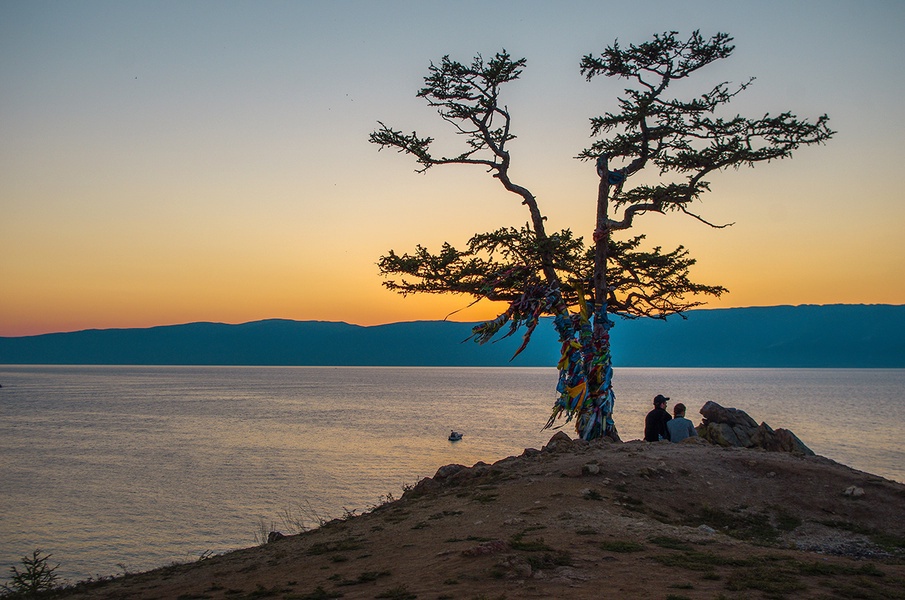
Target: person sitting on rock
column 679, row 427
column 656, row 420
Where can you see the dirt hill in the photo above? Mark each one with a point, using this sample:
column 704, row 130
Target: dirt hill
column 580, row 520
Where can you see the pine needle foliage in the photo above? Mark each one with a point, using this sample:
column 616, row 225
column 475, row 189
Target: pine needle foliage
column 37, row 575
column 680, row 141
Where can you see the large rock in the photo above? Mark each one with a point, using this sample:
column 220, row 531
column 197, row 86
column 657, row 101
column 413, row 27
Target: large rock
column 447, row 471
column 733, row 427
column 715, row 413
column 779, row 440
column 720, row 434
column 559, row 442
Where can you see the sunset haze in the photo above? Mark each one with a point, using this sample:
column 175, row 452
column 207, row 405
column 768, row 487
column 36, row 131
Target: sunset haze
column 172, row 162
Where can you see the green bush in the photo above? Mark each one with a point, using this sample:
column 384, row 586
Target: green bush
column 37, row 576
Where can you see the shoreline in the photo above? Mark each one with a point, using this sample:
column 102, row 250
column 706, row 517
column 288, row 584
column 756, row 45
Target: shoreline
column 583, row 517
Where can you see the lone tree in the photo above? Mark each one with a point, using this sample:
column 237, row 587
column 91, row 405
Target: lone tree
column 540, row 274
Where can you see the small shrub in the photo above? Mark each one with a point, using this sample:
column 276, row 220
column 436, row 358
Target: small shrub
column 485, row 498
column 593, row 495
column 755, row 527
column 445, row 513
column 772, row 582
column 366, row 577
column 698, row 561
column 37, row 576
column 327, row 547
column 263, row 592
column 870, row 569
column 682, row 586
column 888, row 541
column 263, row 531
column 550, row 560
column 621, row 546
column 630, row 501
column 397, row 593
column 320, row 593
column 670, row 542
column 786, row 521
column 518, row 543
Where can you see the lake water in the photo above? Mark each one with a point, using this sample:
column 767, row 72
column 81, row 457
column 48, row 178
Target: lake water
column 115, row 469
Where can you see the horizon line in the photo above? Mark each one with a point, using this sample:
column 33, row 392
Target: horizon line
column 351, row 324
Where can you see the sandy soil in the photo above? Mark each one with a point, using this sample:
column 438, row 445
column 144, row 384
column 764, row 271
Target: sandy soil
column 579, row 520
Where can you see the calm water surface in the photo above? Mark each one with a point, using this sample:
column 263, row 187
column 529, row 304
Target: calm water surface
column 130, row 468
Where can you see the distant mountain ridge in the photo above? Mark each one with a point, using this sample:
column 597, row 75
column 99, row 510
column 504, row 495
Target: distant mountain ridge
column 828, row 336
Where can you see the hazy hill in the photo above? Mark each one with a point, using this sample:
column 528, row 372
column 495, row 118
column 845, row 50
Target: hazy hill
column 779, row 336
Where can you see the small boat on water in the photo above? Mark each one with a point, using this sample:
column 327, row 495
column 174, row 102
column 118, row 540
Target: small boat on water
column 454, row 436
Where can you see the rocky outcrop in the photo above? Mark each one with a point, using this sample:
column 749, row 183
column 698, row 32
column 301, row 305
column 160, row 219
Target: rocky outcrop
column 560, row 442
column 733, row 427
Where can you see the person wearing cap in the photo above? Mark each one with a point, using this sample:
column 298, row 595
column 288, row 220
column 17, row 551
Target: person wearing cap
column 655, row 422
column 679, row 427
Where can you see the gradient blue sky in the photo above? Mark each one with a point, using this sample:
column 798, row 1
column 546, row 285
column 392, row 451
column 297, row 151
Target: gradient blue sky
column 166, row 162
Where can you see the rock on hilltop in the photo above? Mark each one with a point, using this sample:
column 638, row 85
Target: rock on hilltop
column 733, row 427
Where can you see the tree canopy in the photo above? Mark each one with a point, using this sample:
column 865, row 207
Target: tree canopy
column 680, row 140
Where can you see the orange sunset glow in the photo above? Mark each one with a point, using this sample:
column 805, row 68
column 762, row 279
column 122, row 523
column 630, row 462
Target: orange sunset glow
column 173, row 162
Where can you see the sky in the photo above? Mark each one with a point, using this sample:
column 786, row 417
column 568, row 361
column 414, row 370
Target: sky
column 176, row 161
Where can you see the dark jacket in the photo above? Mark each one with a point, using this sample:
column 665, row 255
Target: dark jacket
column 655, row 425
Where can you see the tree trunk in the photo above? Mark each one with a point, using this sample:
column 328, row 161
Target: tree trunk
column 596, row 418
column 585, row 368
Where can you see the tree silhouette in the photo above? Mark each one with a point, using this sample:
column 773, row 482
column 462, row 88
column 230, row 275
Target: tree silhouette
column 537, row 273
